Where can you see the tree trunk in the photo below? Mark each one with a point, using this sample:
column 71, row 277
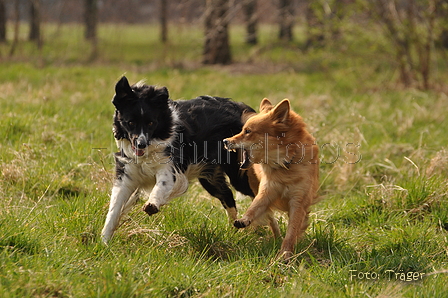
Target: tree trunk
column 35, row 22
column 401, row 42
column 2, row 21
column 91, row 22
column 164, row 21
column 410, row 28
column 444, row 38
column 16, row 17
column 91, row 19
column 286, row 19
column 442, row 14
column 216, row 47
column 315, row 26
column 251, row 19
column 426, row 45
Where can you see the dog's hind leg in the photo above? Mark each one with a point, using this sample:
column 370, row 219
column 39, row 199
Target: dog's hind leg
column 121, row 192
column 297, row 223
column 273, row 224
column 214, row 181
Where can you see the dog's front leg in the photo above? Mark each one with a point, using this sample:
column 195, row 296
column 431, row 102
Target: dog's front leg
column 166, row 188
column 258, row 207
column 121, row 192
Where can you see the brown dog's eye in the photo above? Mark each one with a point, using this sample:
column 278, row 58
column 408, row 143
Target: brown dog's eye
column 247, row 131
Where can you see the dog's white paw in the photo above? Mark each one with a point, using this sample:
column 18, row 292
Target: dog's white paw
column 105, row 237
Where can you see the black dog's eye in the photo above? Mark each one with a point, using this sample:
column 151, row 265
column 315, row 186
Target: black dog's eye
column 131, row 124
column 150, row 123
column 247, row 131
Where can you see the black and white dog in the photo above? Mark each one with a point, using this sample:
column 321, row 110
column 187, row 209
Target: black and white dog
column 164, row 144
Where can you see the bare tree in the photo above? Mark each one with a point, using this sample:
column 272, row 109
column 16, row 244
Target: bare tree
column 91, row 23
column 315, row 30
column 442, row 14
column 35, row 21
column 251, row 19
column 410, row 27
column 16, row 17
column 91, row 19
column 324, row 20
column 164, row 20
column 2, row 21
column 286, row 19
column 216, row 47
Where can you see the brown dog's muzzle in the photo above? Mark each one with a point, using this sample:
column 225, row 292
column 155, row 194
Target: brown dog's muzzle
column 228, row 144
column 232, row 146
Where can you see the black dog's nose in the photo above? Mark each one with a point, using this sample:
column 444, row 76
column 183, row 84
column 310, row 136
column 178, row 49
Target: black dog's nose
column 141, row 142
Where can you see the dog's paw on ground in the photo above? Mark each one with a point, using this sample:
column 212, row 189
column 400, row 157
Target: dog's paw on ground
column 285, row 256
column 241, row 223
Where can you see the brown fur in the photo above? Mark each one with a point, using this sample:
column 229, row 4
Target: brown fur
column 286, row 166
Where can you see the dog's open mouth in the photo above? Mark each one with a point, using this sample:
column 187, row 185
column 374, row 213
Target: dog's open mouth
column 246, row 160
column 138, row 152
column 245, row 163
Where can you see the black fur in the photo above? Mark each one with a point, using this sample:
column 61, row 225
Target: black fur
column 194, row 129
column 130, row 102
column 119, row 165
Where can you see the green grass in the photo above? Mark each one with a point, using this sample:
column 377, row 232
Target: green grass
column 386, row 214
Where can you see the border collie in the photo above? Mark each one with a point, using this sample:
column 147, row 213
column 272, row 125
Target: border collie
column 163, row 144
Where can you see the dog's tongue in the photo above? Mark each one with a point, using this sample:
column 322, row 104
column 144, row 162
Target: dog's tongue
column 138, row 152
column 246, row 161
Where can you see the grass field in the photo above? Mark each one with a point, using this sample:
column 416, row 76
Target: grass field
column 379, row 231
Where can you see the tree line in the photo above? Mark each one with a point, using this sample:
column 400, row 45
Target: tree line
column 414, row 28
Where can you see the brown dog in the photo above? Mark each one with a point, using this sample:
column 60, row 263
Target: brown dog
column 285, row 158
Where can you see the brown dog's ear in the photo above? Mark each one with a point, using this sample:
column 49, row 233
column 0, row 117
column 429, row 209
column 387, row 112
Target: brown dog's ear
column 281, row 111
column 265, row 105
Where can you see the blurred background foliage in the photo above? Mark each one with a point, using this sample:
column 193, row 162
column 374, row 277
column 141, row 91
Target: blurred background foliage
column 409, row 37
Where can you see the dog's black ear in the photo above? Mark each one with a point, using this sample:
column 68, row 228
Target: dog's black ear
column 122, row 90
column 161, row 96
